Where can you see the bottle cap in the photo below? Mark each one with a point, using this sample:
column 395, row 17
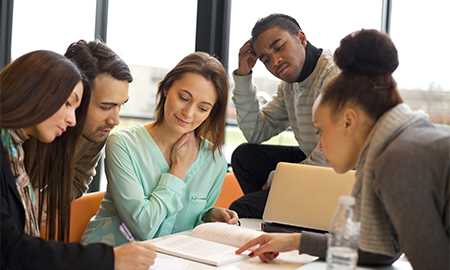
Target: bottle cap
column 347, row 200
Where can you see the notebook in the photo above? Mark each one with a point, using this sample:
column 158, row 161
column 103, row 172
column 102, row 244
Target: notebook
column 304, row 197
column 208, row 243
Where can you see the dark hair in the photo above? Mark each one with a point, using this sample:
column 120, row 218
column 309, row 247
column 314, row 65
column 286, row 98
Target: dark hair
column 96, row 58
column 367, row 59
column 212, row 70
column 282, row 21
column 93, row 58
column 33, row 88
column 51, row 171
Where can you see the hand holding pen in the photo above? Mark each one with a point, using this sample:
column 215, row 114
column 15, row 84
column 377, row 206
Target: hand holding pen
column 126, row 232
column 138, row 255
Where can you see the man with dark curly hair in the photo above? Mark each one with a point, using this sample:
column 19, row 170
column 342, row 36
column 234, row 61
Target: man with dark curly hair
column 281, row 45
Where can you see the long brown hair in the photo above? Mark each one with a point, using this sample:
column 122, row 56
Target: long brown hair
column 367, row 59
column 50, row 168
column 213, row 128
column 33, row 88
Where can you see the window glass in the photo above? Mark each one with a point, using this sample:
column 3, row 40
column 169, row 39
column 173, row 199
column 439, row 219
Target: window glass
column 51, row 25
column 151, row 37
column 423, row 47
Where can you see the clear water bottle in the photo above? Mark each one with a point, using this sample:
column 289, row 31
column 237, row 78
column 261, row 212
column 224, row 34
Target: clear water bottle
column 342, row 251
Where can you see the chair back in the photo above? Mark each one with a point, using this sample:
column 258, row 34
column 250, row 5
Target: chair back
column 81, row 212
column 230, row 191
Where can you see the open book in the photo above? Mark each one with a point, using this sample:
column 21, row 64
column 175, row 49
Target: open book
column 209, row 243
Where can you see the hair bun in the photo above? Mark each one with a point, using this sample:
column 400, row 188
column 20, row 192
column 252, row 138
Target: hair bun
column 368, row 52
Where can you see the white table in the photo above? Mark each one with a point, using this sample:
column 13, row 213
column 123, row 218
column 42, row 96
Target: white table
column 287, row 260
column 400, row 264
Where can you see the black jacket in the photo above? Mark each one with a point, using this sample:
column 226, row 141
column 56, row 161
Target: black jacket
column 20, row 251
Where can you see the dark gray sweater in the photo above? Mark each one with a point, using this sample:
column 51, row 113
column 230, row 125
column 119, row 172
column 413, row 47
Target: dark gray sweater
column 412, row 181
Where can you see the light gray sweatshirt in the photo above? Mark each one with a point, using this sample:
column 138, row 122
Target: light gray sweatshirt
column 291, row 107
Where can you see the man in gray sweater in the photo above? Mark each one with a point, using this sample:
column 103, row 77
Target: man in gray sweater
column 279, row 42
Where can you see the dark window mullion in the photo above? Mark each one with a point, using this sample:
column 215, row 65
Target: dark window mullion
column 101, row 26
column 213, row 28
column 6, row 15
column 386, row 16
column 101, row 19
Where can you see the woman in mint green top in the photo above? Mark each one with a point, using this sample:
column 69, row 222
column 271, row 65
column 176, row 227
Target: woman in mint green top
column 164, row 177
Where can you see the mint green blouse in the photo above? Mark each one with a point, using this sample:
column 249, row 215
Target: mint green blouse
column 145, row 196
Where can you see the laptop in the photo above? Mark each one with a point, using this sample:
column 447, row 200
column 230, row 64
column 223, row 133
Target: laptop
column 304, row 197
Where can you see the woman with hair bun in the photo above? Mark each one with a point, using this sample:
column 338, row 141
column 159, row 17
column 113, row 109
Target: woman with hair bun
column 402, row 187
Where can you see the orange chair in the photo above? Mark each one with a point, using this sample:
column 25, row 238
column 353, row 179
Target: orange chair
column 81, row 211
column 230, row 191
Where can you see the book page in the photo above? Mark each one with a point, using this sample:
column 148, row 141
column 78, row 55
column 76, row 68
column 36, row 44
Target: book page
column 197, row 249
column 164, row 262
column 224, row 233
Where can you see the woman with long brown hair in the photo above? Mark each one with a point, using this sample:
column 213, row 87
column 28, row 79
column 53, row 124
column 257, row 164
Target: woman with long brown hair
column 39, row 95
column 60, row 176
column 165, row 176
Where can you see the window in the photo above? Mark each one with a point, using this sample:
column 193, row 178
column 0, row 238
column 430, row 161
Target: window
column 50, row 25
column 422, row 44
column 166, row 33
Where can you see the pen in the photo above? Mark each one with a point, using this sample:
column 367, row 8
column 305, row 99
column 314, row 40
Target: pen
column 126, row 232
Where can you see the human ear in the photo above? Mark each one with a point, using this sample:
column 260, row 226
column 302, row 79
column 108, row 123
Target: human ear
column 302, row 37
column 350, row 120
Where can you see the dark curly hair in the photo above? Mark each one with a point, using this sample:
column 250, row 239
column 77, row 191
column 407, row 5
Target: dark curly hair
column 282, row 21
column 95, row 57
column 367, row 59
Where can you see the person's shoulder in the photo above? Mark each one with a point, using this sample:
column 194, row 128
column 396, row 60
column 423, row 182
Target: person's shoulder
column 327, row 56
column 216, row 156
column 422, row 139
column 419, row 151
column 325, row 70
column 126, row 136
column 327, row 64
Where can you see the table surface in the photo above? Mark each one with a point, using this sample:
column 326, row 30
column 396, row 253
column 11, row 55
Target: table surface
column 286, row 260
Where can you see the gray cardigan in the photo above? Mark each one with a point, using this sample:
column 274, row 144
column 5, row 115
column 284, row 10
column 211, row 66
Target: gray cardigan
column 412, row 181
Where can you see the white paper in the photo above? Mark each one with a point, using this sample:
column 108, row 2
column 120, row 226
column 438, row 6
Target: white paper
column 227, row 234
column 210, row 243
